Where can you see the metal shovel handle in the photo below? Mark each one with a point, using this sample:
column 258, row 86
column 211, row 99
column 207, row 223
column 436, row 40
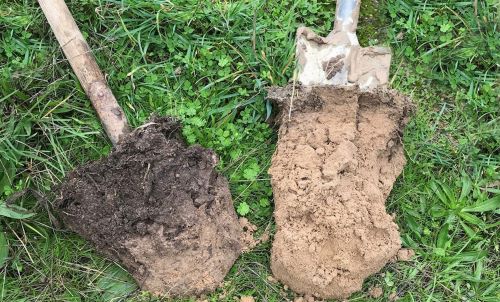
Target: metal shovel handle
column 347, row 15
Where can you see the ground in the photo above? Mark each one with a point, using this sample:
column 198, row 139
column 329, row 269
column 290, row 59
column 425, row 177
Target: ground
column 208, row 63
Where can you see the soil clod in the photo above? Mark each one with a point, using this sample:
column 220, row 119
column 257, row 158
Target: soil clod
column 405, row 254
column 338, row 154
column 247, row 299
column 375, row 292
column 160, row 208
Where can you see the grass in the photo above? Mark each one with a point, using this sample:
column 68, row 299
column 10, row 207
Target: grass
column 208, row 62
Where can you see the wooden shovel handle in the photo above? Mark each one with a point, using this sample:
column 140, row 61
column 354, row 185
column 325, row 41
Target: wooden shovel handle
column 82, row 61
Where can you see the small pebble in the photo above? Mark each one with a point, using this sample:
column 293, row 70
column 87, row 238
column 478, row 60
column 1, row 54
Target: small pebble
column 405, row 254
column 375, row 292
column 247, row 299
column 271, row 279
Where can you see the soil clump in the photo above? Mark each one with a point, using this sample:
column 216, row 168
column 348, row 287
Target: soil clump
column 160, row 208
column 339, row 152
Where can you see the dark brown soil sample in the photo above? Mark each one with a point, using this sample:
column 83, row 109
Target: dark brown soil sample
column 160, row 208
column 338, row 155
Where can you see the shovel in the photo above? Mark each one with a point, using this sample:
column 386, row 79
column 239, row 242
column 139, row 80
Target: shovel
column 338, row 154
column 338, row 59
column 154, row 204
column 80, row 57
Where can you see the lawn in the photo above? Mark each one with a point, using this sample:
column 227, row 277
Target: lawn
column 209, row 63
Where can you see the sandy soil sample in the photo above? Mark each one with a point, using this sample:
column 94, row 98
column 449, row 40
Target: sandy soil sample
column 338, row 154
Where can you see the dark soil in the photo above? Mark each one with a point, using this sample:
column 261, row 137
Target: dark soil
column 160, row 208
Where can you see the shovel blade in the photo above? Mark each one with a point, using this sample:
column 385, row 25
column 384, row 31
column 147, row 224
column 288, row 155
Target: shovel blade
column 339, row 60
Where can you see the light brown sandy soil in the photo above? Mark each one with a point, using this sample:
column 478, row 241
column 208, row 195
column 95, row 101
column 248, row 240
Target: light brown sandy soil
column 405, row 254
column 337, row 158
column 247, row 299
column 248, row 239
column 375, row 292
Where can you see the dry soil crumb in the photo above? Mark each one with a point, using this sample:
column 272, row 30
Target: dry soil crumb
column 160, row 208
column 405, row 254
column 375, row 292
column 337, row 158
column 393, row 297
column 248, row 239
column 306, row 298
column 265, row 236
column 271, row 279
column 247, row 299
